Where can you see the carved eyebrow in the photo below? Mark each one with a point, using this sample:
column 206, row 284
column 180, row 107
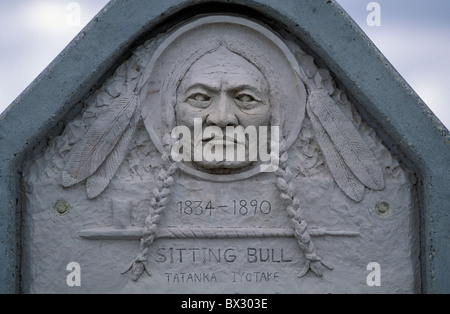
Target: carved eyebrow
column 246, row 87
column 216, row 89
column 204, row 87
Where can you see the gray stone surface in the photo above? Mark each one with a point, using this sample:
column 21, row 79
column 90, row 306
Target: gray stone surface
column 400, row 119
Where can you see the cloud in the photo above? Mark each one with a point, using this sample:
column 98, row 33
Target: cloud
column 412, row 37
column 33, row 33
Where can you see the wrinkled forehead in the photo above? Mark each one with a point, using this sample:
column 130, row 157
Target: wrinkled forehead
column 223, row 69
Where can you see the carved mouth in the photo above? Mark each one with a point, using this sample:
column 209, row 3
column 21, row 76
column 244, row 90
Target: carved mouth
column 225, row 141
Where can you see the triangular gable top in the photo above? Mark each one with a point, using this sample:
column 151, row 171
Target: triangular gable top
column 383, row 98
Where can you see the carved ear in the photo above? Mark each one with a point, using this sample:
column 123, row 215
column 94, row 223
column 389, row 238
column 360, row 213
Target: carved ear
column 347, row 155
column 104, row 146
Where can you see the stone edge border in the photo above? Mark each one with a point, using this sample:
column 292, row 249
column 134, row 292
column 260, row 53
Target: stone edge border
column 384, row 99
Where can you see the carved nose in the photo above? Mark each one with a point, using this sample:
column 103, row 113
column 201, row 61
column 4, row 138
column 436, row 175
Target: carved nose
column 222, row 114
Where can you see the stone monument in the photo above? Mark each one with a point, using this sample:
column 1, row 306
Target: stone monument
column 220, row 151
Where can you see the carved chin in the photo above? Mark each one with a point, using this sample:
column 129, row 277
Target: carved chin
column 229, row 166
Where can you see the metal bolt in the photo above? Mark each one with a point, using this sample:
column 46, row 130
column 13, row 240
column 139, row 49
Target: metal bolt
column 62, row 207
column 383, row 209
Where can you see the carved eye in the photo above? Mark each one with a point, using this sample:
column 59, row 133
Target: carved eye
column 199, row 100
column 200, row 97
column 245, row 98
column 246, row 101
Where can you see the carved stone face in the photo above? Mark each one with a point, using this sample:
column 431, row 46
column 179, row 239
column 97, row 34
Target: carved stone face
column 224, row 90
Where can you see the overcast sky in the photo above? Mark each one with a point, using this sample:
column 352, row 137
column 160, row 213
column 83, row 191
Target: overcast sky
column 414, row 36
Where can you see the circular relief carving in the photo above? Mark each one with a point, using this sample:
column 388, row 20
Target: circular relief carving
column 223, row 71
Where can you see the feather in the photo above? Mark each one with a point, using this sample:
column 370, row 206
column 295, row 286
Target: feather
column 356, row 154
column 342, row 175
column 99, row 141
column 99, row 181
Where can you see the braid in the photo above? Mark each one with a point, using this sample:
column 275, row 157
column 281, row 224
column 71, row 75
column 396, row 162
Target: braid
column 313, row 261
column 159, row 202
